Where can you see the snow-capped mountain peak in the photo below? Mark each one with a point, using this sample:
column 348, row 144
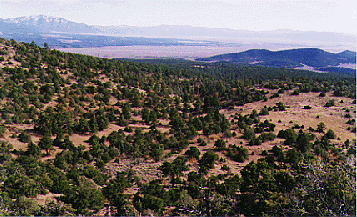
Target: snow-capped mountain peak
column 48, row 24
column 36, row 19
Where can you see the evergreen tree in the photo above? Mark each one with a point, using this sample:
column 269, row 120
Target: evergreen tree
column 174, row 169
column 46, row 143
column 33, row 150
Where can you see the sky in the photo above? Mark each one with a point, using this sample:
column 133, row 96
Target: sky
column 255, row 15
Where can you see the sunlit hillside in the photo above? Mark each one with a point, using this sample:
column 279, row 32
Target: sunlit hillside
column 82, row 135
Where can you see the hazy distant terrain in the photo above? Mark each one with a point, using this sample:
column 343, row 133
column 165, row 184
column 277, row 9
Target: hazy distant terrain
column 61, row 33
column 282, row 36
column 185, row 52
column 182, row 42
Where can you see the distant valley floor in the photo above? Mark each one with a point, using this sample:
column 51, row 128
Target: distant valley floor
column 185, row 52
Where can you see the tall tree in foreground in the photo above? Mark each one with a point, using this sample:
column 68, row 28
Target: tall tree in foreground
column 325, row 190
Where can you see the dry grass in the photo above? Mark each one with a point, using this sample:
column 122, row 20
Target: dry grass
column 43, row 198
column 332, row 117
column 10, row 58
column 146, row 170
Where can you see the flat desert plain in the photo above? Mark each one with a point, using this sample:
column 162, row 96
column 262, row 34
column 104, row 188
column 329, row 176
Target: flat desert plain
column 185, row 52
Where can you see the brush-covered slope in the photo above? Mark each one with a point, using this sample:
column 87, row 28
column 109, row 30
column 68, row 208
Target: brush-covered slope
column 82, row 135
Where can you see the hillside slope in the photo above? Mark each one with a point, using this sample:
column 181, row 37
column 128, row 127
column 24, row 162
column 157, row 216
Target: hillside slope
column 82, row 135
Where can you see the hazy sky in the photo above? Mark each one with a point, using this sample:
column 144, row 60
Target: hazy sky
column 257, row 15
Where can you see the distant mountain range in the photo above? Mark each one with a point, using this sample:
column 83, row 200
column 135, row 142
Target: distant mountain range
column 61, row 33
column 45, row 24
column 312, row 57
column 285, row 36
column 53, row 30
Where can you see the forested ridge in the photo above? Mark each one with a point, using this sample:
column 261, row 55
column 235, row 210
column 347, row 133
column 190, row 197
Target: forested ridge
column 97, row 136
column 292, row 58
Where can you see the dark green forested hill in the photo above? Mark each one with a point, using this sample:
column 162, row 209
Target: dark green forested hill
column 82, row 135
column 287, row 58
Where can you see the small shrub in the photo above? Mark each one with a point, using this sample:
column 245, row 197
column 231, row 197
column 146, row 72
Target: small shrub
column 296, row 126
column 225, row 167
column 264, row 153
column 347, row 115
column 128, row 129
column 255, row 141
column 281, row 90
column 267, row 137
column 280, row 106
column 193, row 152
column 264, row 111
column 25, row 137
column 275, row 95
column 220, row 144
column 351, row 121
column 295, row 93
column 227, row 134
column 330, row 134
column 203, row 143
column 329, row 103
